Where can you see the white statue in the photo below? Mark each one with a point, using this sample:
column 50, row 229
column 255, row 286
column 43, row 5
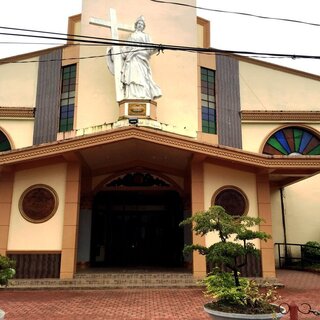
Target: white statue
column 136, row 75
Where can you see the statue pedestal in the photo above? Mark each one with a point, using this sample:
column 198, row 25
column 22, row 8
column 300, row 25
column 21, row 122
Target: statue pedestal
column 138, row 108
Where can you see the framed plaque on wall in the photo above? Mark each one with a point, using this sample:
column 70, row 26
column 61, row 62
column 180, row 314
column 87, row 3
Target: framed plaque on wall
column 38, row 203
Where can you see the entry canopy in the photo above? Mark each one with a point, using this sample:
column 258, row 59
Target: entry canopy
column 131, row 147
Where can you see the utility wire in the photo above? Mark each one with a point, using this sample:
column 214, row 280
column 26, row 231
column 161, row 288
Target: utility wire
column 55, row 33
column 73, row 58
column 238, row 13
column 153, row 46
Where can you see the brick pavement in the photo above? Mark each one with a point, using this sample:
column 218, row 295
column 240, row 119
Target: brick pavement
column 300, row 287
column 143, row 304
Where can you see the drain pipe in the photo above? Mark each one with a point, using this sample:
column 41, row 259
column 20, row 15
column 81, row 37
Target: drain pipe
column 283, row 222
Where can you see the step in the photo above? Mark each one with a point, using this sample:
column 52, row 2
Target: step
column 110, row 280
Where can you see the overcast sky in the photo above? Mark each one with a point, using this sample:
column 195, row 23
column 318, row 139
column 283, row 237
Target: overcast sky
column 229, row 31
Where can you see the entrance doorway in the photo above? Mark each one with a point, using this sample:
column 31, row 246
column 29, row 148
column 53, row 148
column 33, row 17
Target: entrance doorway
column 137, row 229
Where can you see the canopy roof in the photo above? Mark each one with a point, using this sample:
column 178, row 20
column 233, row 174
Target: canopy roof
column 117, row 149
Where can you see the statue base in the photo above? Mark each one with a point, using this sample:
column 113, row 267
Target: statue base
column 138, row 108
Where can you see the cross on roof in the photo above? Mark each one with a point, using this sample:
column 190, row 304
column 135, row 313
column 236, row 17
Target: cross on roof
column 116, row 54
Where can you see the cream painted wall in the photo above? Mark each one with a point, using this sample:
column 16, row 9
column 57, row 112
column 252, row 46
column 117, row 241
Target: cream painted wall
column 301, row 199
column 174, row 72
column 254, row 134
column 18, row 131
column 264, row 88
column 24, row 235
column 18, row 83
column 216, row 177
column 302, row 211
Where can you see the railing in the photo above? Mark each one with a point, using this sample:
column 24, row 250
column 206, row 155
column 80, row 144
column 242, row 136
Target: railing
column 293, row 309
column 295, row 256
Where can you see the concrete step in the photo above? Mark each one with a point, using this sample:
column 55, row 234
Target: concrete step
column 109, row 280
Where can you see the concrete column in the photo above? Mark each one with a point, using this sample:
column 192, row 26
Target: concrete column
column 6, row 191
column 71, row 221
column 197, row 204
column 264, row 208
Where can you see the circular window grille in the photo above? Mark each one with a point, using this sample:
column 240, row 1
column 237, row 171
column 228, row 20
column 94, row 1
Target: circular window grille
column 38, row 203
column 232, row 200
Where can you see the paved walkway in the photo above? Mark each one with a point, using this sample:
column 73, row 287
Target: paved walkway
column 300, row 287
column 145, row 304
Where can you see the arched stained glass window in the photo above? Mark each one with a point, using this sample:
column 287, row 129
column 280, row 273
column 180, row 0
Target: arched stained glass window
column 4, row 142
column 292, row 141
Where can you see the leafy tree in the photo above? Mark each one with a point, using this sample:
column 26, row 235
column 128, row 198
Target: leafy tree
column 235, row 234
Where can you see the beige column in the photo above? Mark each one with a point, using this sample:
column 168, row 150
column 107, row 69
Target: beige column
column 71, row 219
column 197, row 204
column 264, row 207
column 6, row 190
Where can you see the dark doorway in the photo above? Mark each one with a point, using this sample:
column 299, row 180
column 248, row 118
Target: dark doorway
column 137, row 229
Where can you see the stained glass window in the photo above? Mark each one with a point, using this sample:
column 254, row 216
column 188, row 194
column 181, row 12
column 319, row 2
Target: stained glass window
column 208, row 103
column 4, row 142
column 67, row 101
column 292, row 141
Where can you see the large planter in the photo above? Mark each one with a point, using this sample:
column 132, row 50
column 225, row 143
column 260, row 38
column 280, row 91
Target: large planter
column 2, row 314
column 218, row 315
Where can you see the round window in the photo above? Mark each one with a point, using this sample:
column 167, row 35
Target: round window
column 38, row 203
column 232, row 200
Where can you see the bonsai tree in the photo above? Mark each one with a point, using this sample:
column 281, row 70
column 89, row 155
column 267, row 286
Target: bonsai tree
column 230, row 291
column 7, row 270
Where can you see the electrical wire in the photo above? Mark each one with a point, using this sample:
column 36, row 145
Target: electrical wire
column 238, row 13
column 73, row 58
column 80, row 39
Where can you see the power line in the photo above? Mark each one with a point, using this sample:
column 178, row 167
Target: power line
column 151, row 46
column 29, row 43
column 238, row 13
column 73, row 58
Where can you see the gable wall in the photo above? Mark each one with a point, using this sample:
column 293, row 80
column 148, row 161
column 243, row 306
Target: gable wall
column 174, row 71
column 263, row 88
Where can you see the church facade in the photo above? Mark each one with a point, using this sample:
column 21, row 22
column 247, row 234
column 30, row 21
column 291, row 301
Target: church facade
column 106, row 145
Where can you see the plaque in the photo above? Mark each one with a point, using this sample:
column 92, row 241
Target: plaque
column 38, row 203
column 137, row 109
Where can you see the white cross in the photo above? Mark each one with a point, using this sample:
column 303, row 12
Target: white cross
column 115, row 26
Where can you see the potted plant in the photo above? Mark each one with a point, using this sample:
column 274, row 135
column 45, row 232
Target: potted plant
column 7, row 271
column 234, row 297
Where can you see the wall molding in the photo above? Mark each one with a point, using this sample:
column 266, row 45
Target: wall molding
column 17, row 112
column 296, row 116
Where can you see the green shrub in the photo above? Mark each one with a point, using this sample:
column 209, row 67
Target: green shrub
column 7, row 270
column 248, row 297
column 312, row 250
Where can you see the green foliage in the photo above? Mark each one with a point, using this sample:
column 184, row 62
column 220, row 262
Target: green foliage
column 220, row 286
column 312, row 250
column 245, row 298
column 225, row 252
column 7, row 270
column 227, row 288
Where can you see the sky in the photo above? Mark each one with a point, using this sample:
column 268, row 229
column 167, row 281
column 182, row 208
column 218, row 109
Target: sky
column 229, row 31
